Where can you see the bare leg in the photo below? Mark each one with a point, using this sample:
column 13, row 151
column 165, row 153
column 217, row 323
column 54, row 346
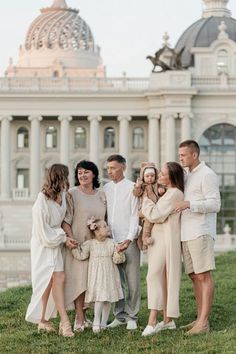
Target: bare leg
column 79, row 308
column 152, row 320
column 45, row 300
column 206, row 286
column 165, row 318
column 197, row 293
column 58, row 294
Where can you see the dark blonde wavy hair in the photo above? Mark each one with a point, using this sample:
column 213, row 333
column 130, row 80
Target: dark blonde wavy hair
column 55, row 181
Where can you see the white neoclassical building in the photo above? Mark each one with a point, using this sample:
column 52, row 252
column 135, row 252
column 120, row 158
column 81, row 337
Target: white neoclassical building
column 58, row 105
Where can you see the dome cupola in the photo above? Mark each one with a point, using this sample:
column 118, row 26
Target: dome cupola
column 59, row 42
column 205, row 31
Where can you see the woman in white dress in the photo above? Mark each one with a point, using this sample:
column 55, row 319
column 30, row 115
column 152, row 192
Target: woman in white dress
column 47, row 264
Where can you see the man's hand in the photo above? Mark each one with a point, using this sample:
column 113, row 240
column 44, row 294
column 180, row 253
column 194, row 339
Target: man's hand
column 182, row 206
column 71, row 243
column 123, row 245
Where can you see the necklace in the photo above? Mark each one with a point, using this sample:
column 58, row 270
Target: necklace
column 87, row 190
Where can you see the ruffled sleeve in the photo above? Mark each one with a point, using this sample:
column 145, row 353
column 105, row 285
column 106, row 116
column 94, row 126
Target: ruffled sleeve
column 82, row 252
column 49, row 236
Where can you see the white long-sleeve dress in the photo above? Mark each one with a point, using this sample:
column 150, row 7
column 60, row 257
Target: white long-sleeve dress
column 46, row 252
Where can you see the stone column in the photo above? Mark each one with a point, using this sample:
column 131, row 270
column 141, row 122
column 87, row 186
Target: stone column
column 94, row 147
column 170, row 138
column 35, row 166
column 64, row 139
column 186, row 126
column 154, row 140
column 5, row 157
column 124, row 136
column 124, row 141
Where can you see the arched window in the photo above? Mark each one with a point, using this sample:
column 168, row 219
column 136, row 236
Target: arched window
column 222, row 61
column 138, row 138
column 80, row 137
column 109, row 137
column 51, row 137
column 22, row 138
column 218, row 150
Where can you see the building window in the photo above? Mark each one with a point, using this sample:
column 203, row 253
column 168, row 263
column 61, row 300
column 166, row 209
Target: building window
column 22, row 178
column 218, row 150
column 138, row 138
column 135, row 174
column 109, row 138
column 222, row 61
column 51, row 137
column 22, row 138
column 80, row 137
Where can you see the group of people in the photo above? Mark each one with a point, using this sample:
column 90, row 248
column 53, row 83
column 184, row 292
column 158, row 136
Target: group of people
column 86, row 242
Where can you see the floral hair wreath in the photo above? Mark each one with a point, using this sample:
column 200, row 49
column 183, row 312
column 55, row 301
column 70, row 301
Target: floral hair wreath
column 92, row 225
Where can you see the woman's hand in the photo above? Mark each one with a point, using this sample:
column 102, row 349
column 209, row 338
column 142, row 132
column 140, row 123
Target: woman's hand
column 71, row 243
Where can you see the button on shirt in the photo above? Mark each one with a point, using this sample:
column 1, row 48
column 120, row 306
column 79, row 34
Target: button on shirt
column 122, row 210
column 202, row 191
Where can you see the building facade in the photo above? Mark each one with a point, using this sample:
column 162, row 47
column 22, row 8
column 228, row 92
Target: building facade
column 58, row 105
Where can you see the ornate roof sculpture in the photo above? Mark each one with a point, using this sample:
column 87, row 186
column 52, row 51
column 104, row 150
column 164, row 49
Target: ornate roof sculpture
column 58, row 36
column 206, row 30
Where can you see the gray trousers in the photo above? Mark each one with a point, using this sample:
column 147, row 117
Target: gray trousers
column 128, row 307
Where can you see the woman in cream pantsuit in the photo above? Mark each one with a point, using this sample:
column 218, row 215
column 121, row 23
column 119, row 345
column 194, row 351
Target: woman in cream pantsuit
column 164, row 256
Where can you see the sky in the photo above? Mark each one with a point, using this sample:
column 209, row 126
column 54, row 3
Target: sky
column 126, row 30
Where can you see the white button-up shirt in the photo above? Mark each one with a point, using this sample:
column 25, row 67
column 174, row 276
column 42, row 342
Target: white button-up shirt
column 122, row 210
column 202, row 191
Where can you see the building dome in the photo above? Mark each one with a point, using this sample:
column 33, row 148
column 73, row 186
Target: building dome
column 59, row 26
column 58, row 43
column 206, row 30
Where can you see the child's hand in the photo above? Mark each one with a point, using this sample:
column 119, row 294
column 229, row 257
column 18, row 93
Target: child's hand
column 139, row 182
column 161, row 190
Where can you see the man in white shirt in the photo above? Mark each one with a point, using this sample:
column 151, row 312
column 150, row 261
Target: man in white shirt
column 198, row 230
column 122, row 215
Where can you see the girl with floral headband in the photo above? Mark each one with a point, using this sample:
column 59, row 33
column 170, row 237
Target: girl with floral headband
column 104, row 286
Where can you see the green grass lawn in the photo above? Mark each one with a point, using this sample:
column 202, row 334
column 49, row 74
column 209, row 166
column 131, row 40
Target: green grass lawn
column 17, row 336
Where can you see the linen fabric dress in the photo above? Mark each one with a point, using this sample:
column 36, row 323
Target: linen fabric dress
column 164, row 256
column 103, row 276
column 47, row 244
column 80, row 207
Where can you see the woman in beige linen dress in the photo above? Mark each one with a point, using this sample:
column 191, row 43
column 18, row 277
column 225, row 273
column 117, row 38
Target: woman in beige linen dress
column 47, row 265
column 164, row 256
column 83, row 202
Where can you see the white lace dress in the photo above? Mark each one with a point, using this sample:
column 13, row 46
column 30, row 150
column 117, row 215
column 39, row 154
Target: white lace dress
column 103, row 275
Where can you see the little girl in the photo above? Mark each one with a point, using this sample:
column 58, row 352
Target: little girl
column 147, row 185
column 104, row 286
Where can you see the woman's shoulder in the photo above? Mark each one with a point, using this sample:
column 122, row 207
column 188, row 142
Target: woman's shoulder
column 101, row 195
column 175, row 193
column 73, row 190
column 41, row 201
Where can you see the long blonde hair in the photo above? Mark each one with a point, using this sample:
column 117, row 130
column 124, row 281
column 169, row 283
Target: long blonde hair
column 55, row 181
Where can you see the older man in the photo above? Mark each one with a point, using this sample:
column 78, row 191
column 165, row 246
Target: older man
column 122, row 214
column 198, row 230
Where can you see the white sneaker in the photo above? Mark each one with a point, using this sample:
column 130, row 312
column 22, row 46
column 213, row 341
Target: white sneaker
column 115, row 323
column 148, row 331
column 161, row 326
column 96, row 328
column 131, row 325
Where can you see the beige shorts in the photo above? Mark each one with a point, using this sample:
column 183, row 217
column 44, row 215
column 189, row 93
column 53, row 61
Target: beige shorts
column 198, row 254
